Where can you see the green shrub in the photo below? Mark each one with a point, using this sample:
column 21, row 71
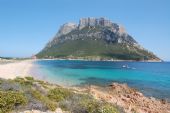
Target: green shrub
column 1, row 81
column 90, row 104
column 37, row 95
column 22, row 81
column 94, row 106
column 80, row 103
column 59, row 94
column 29, row 78
column 40, row 81
column 19, row 80
column 28, row 83
column 108, row 108
column 10, row 99
column 84, row 103
column 49, row 104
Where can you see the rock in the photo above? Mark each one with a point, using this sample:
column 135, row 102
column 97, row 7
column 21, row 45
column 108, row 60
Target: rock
column 163, row 101
column 66, row 28
column 58, row 110
column 152, row 98
column 131, row 100
column 128, row 96
column 91, row 21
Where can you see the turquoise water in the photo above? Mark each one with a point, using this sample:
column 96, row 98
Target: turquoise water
column 153, row 79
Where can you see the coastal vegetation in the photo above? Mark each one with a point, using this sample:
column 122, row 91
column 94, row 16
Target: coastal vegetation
column 20, row 94
column 101, row 51
column 27, row 93
column 9, row 100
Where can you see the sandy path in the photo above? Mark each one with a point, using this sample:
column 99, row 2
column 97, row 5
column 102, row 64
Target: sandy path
column 12, row 70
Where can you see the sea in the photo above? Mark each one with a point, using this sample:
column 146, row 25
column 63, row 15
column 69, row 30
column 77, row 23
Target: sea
column 150, row 78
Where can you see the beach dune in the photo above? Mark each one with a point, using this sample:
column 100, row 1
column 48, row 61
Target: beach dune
column 16, row 69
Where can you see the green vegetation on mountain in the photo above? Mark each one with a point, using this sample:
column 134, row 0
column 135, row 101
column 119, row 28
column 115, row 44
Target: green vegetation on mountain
column 91, row 49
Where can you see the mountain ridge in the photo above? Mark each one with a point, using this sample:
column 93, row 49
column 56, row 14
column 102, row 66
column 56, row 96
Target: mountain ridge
column 95, row 38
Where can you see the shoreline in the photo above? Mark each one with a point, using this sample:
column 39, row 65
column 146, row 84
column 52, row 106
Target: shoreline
column 69, row 59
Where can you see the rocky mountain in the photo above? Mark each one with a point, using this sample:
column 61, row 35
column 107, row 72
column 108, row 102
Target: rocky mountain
column 95, row 39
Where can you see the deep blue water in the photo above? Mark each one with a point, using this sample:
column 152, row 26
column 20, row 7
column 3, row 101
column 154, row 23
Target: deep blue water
column 153, row 79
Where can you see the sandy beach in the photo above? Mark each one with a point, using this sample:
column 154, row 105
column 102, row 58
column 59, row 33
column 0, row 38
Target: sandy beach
column 15, row 69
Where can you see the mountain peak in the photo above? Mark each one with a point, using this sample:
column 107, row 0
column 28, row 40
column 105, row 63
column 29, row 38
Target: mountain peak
column 91, row 21
column 95, row 38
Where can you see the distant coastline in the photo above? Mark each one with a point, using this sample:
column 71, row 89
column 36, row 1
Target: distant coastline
column 109, row 60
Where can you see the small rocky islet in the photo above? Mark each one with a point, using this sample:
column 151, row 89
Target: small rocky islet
column 28, row 95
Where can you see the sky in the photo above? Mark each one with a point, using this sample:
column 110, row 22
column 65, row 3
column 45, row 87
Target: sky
column 27, row 25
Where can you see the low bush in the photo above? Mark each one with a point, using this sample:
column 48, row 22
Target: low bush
column 108, row 108
column 48, row 103
column 51, row 105
column 10, row 99
column 29, row 78
column 18, row 79
column 15, row 94
column 59, row 94
column 24, row 82
column 81, row 103
column 37, row 95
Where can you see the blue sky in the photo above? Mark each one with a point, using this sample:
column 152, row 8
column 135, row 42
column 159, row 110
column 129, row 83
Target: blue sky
column 27, row 25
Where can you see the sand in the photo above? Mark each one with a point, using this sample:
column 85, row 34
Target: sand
column 16, row 69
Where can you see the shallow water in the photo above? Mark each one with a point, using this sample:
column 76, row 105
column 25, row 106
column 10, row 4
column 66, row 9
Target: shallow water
column 152, row 79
